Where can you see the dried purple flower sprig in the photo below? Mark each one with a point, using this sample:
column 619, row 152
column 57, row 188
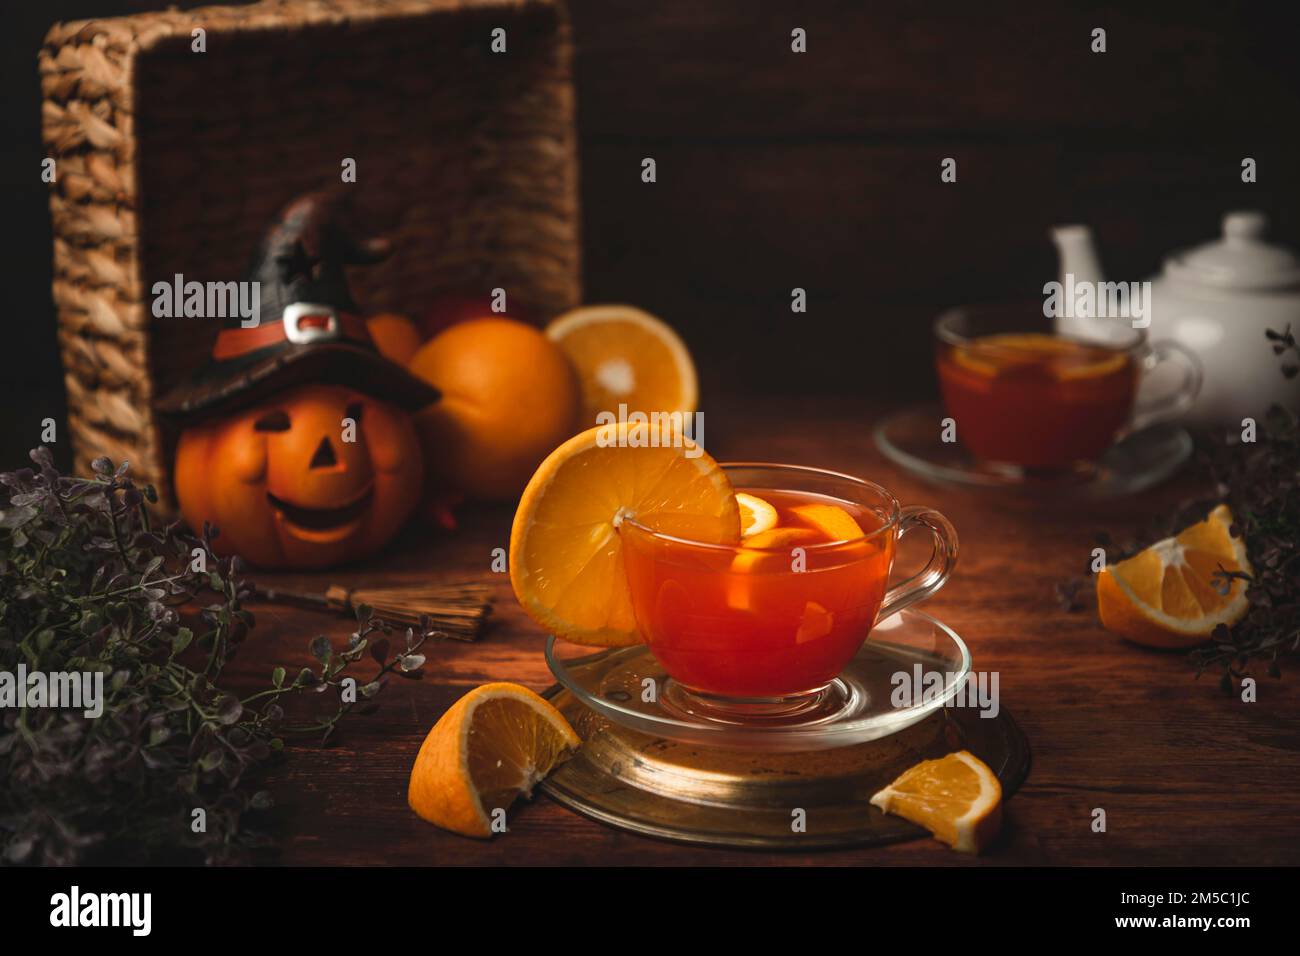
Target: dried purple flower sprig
column 88, row 584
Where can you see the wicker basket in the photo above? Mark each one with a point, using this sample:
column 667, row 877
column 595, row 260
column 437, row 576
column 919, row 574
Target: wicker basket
column 171, row 161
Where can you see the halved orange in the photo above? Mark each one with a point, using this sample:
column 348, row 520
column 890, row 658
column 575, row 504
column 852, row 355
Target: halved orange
column 957, row 798
column 566, row 556
column 626, row 356
column 494, row 744
column 1168, row 595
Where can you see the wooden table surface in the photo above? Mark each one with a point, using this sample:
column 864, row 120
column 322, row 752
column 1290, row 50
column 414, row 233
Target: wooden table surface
column 1185, row 774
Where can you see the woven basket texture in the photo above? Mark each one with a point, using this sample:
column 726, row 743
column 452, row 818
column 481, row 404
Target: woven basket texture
column 173, row 161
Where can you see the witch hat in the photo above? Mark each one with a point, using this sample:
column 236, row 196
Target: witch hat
column 309, row 329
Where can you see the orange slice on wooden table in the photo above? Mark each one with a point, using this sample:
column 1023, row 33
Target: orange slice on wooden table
column 957, row 798
column 1168, row 595
column 494, row 744
column 626, row 356
column 566, row 556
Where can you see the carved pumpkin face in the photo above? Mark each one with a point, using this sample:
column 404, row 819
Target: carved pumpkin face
column 290, row 486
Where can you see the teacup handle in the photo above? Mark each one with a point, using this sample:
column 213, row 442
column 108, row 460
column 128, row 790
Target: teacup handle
column 1177, row 401
column 930, row 578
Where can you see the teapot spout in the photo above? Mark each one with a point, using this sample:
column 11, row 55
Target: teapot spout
column 1077, row 253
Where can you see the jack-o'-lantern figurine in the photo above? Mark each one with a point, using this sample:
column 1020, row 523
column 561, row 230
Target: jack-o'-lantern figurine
column 297, row 442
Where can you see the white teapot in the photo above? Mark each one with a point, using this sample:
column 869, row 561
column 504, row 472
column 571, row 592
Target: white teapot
column 1217, row 300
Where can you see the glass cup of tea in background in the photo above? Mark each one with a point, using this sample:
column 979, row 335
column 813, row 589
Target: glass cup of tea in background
column 1026, row 398
column 762, row 630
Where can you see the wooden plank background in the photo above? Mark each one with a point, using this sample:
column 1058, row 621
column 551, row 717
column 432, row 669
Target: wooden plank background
column 821, row 170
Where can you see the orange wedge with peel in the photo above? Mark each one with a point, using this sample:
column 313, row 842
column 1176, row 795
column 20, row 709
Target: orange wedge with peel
column 626, row 356
column 957, row 798
column 831, row 520
column 1169, row 595
column 771, row 551
column 769, row 548
column 756, row 515
column 566, row 557
column 494, row 744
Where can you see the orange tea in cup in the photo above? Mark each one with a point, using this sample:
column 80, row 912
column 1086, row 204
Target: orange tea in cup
column 778, row 616
column 1036, row 400
column 1025, row 396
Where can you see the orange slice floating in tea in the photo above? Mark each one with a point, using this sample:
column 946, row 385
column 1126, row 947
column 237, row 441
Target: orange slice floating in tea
column 767, row 551
column 756, row 515
column 626, row 356
column 1169, row 594
column 566, row 556
column 494, row 744
column 816, row 622
column 831, row 520
column 1036, row 353
column 957, row 798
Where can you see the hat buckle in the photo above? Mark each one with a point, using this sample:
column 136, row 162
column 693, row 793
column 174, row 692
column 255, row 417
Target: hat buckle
column 308, row 322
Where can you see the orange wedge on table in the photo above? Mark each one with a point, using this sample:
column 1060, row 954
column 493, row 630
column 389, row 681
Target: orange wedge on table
column 626, row 356
column 1168, row 595
column 566, row 557
column 957, row 798
column 494, row 744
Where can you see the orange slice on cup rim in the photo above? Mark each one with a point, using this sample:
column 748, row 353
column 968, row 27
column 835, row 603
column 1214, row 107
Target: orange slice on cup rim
column 566, row 553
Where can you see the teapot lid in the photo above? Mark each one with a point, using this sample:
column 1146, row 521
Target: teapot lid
column 1240, row 260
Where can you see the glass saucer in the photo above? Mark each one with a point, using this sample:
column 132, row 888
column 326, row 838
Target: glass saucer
column 911, row 438
column 909, row 651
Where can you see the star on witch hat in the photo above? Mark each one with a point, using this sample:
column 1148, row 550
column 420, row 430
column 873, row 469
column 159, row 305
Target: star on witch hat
column 309, row 330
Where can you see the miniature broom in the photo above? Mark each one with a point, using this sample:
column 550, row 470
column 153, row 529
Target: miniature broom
column 456, row 608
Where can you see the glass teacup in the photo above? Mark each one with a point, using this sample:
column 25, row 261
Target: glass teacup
column 1024, row 397
column 767, row 629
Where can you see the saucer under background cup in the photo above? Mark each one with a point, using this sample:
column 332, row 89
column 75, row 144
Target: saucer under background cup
column 911, row 439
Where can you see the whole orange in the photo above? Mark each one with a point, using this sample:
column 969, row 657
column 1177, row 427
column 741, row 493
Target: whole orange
column 396, row 336
column 509, row 397
column 463, row 305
